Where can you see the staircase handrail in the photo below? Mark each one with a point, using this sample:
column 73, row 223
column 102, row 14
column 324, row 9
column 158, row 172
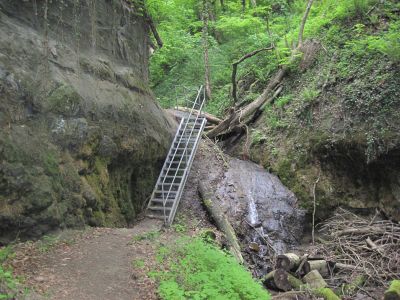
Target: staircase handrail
column 185, row 148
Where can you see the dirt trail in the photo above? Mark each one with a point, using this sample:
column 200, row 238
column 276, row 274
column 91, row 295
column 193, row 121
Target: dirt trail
column 112, row 263
column 98, row 264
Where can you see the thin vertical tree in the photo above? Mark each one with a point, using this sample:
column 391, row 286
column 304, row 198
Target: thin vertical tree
column 205, row 33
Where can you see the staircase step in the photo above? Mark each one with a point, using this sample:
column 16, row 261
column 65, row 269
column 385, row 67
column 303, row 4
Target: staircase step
column 154, row 216
column 159, row 194
column 195, row 131
column 171, row 177
column 160, row 200
column 173, row 169
column 161, row 208
column 176, row 164
column 168, row 184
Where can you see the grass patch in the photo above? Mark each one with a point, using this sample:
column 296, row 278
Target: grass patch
column 151, row 236
column 195, row 269
column 8, row 282
column 138, row 263
column 47, row 243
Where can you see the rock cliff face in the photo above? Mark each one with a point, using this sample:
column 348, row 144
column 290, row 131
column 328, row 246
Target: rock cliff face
column 81, row 139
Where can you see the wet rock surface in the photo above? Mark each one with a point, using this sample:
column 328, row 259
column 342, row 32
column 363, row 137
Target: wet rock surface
column 263, row 211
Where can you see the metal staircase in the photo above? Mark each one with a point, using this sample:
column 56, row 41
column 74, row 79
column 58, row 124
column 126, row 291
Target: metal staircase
column 170, row 184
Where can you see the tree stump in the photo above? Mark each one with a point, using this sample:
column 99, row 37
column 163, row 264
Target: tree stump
column 315, row 280
column 287, row 261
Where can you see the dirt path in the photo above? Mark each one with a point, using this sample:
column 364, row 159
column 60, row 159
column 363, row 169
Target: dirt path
column 100, row 263
column 112, row 263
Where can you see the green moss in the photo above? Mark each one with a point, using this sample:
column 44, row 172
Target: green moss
column 64, row 100
column 130, row 81
column 50, row 162
column 351, row 288
column 393, row 290
column 326, row 293
column 101, row 68
column 99, row 218
column 207, row 202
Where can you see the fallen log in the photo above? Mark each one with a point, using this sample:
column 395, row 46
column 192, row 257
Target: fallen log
column 315, row 280
column 243, row 115
column 210, row 118
column 209, row 128
column 346, row 267
column 220, row 220
column 282, row 280
column 287, row 261
column 320, row 265
column 326, row 293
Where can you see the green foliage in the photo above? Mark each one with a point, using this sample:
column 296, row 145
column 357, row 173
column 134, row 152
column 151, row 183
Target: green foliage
column 354, row 27
column 272, row 118
column 387, row 43
column 138, row 263
column 47, row 243
column 195, row 269
column 257, row 137
column 8, row 283
column 283, row 100
column 394, row 288
column 310, row 94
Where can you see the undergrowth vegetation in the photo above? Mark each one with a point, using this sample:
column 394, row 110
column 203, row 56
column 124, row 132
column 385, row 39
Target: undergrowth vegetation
column 194, row 268
column 362, row 27
column 8, row 283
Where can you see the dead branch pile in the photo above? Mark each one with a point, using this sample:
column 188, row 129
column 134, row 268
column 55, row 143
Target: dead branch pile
column 371, row 246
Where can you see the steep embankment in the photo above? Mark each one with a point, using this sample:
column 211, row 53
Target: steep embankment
column 336, row 123
column 81, row 138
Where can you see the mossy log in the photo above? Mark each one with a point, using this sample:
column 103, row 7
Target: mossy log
column 287, row 261
column 352, row 287
column 220, row 220
column 282, row 280
column 320, row 265
column 393, row 292
column 326, row 293
column 315, row 280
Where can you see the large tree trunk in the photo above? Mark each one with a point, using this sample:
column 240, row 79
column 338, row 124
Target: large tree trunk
column 220, row 220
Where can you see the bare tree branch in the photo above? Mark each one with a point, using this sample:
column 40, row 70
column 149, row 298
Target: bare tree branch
column 303, row 23
column 234, row 69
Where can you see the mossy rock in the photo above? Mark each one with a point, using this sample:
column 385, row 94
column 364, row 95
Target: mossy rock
column 64, row 100
column 100, row 68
